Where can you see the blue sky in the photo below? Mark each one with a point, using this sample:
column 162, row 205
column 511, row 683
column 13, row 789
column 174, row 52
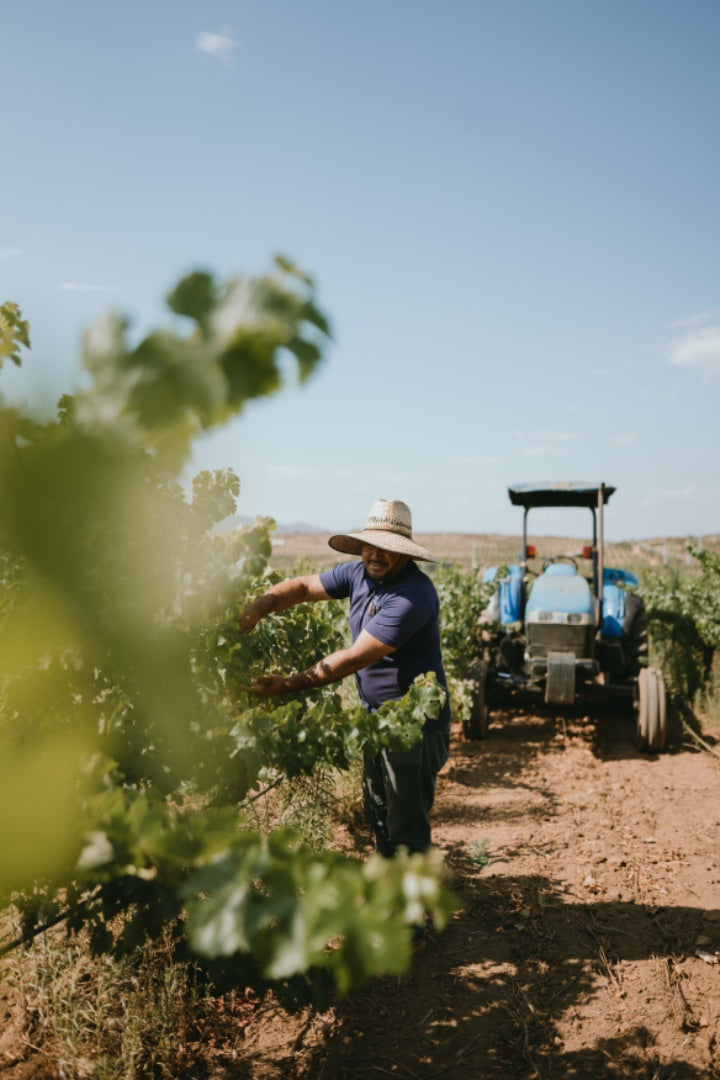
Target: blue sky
column 510, row 208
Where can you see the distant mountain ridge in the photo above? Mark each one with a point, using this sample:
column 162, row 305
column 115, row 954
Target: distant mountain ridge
column 299, row 527
column 238, row 520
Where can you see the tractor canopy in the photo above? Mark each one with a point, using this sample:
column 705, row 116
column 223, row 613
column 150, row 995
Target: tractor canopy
column 559, row 494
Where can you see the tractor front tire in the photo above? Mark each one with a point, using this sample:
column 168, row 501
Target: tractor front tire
column 477, row 726
column 651, row 711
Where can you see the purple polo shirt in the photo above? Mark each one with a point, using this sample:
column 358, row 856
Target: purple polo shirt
column 402, row 612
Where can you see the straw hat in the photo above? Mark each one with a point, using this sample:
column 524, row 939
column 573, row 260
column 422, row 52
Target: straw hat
column 388, row 526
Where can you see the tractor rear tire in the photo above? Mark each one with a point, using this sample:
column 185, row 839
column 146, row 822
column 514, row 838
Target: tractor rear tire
column 652, row 711
column 635, row 634
column 477, row 726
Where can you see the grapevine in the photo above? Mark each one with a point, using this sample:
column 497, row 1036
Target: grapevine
column 684, row 621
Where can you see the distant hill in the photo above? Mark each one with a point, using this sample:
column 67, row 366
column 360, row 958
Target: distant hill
column 238, row 520
column 299, row 527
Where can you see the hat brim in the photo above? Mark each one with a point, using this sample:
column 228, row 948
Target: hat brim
column 352, row 544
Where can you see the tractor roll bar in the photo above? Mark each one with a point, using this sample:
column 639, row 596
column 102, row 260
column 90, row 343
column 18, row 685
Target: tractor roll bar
column 590, row 495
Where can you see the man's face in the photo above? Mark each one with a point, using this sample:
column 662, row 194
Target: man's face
column 382, row 564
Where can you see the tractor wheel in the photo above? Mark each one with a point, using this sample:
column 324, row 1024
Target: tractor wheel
column 652, row 710
column 477, row 726
column 635, row 634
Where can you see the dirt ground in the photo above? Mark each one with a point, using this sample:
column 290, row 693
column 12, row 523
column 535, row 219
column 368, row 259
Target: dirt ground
column 587, row 947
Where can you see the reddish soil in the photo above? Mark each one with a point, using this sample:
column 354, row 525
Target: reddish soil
column 589, row 945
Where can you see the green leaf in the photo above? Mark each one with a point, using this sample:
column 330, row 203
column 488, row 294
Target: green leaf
column 308, row 356
column 194, row 296
column 289, row 267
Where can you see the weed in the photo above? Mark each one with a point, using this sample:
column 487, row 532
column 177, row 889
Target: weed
column 478, row 853
column 310, row 806
column 113, row 1018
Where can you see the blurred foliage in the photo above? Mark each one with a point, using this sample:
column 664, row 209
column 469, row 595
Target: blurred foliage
column 14, row 333
column 130, row 747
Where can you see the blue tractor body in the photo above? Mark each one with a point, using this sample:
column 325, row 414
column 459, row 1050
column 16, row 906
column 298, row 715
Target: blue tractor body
column 571, row 595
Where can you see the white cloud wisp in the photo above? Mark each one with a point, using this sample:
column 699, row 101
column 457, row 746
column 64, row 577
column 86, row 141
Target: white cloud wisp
column 700, row 350
column 79, row 286
column 220, row 45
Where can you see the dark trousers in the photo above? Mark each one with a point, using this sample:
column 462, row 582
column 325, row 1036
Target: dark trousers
column 399, row 790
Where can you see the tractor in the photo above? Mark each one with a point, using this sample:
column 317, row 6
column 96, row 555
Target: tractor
column 573, row 631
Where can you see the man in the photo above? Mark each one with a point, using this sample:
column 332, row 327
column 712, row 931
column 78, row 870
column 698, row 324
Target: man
column 394, row 625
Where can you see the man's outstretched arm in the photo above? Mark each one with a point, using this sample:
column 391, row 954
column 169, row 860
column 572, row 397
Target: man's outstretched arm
column 364, row 651
column 280, row 597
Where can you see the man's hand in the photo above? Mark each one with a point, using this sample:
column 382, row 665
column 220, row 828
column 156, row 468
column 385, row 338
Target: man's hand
column 251, row 615
column 267, row 686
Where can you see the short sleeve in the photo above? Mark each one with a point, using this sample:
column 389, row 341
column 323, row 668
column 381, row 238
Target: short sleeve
column 336, row 582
